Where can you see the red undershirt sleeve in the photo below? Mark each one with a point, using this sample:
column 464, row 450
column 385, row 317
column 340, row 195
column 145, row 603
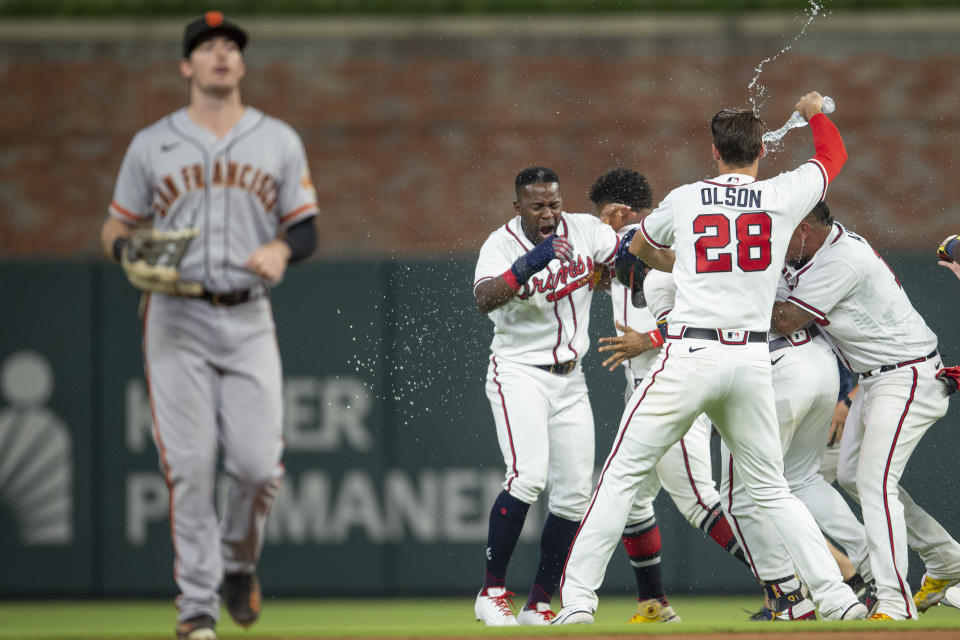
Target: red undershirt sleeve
column 830, row 152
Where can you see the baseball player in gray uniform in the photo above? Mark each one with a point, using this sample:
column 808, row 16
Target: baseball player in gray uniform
column 535, row 281
column 211, row 362
column 840, row 282
column 729, row 234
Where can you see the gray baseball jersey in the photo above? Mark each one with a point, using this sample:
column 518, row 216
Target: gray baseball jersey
column 213, row 371
column 237, row 190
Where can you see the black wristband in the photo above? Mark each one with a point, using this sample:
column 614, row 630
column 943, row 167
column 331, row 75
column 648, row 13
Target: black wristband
column 847, row 401
column 302, row 239
column 118, row 246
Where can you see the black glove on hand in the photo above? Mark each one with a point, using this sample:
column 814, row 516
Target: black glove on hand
column 630, row 269
column 552, row 247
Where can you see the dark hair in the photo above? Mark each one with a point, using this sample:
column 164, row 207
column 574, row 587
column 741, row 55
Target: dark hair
column 820, row 215
column 737, row 136
column 533, row 175
column 622, row 185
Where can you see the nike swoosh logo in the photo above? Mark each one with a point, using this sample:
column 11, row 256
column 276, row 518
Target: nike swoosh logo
column 697, row 349
column 167, row 147
column 778, row 359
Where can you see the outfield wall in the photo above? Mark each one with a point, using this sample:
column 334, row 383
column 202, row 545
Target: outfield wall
column 391, row 455
column 415, row 126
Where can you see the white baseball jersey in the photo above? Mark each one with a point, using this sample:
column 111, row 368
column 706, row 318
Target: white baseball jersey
column 660, row 291
column 728, row 281
column 236, row 190
column 859, row 302
column 546, row 322
column 638, row 319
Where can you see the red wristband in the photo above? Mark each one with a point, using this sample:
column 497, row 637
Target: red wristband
column 655, row 338
column 511, row 279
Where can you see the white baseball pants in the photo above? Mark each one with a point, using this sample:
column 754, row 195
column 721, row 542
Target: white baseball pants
column 888, row 417
column 732, row 385
column 545, row 430
column 805, row 385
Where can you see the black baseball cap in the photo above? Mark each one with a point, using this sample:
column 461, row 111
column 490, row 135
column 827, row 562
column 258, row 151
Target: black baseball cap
column 210, row 24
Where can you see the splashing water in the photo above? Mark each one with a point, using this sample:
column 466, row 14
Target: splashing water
column 757, row 91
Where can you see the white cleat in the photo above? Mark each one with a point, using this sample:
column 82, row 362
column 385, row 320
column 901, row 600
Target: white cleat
column 952, row 597
column 856, row 611
column 493, row 607
column 574, row 614
column 539, row 617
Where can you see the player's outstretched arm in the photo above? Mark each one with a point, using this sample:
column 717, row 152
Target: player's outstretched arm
column 830, row 150
column 659, row 259
column 953, row 266
column 788, row 317
column 631, row 343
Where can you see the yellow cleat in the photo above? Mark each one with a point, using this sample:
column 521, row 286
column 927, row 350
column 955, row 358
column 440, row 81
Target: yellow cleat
column 932, row 591
column 653, row 611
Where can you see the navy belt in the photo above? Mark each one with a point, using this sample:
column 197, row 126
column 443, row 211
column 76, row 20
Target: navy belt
column 795, row 339
column 724, row 336
column 228, row 299
column 891, row 367
column 560, row 369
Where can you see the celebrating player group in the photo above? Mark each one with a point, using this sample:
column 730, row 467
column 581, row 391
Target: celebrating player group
column 740, row 305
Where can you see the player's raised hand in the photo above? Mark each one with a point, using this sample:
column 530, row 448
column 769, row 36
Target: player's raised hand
column 810, row 105
column 269, row 261
column 551, row 248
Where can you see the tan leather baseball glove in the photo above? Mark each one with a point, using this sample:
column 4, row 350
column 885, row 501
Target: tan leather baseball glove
column 152, row 258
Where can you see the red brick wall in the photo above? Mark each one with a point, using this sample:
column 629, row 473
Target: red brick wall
column 414, row 132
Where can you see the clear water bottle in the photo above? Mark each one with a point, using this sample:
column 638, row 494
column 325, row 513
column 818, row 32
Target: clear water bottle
column 796, row 120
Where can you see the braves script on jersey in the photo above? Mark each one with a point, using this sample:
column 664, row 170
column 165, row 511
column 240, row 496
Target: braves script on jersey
column 236, row 190
column 546, row 323
column 728, row 222
column 876, row 327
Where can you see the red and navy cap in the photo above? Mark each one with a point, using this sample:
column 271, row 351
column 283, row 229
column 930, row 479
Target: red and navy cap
column 212, row 23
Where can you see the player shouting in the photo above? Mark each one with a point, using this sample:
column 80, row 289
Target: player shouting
column 534, row 279
column 729, row 235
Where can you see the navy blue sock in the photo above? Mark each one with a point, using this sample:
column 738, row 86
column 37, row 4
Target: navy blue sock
column 506, row 522
column 555, row 544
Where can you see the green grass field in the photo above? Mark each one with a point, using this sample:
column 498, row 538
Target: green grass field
column 437, row 617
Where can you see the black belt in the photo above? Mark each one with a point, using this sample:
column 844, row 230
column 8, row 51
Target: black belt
column 891, row 367
column 725, row 336
column 228, row 299
column 560, row 369
column 795, row 339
